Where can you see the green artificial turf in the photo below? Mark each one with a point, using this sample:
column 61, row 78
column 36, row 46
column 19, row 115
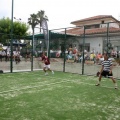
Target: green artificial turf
column 62, row 96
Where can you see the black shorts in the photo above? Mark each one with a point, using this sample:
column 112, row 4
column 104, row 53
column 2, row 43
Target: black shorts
column 106, row 74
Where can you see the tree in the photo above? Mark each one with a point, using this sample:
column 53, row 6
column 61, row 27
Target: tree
column 33, row 22
column 19, row 29
column 40, row 16
column 4, row 30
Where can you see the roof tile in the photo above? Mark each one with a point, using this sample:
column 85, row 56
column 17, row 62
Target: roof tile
column 94, row 18
column 78, row 31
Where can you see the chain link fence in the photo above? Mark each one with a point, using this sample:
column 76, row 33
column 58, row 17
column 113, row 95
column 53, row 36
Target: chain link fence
column 75, row 49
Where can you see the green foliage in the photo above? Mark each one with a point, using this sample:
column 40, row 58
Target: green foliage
column 19, row 29
column 5, row 25
column 33, row 21
column 36, row 19
column 40, row 16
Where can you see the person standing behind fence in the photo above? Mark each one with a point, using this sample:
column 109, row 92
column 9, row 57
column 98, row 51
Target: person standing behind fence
column 27, row 55
column 92, row 56
column 75, row 54
column 114, row 53
column 118, row 55
column 0, row 55
column 98, row 56
column 3, row 53
column 17, row 56
column 106, row 70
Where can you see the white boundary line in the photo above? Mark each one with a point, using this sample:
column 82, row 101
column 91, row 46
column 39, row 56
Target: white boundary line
column 65, row 80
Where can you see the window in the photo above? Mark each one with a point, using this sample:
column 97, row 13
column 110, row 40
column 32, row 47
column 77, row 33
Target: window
column 87, row 47
column 92, row 26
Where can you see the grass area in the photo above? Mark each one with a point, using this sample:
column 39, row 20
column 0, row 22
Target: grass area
column 62, row 96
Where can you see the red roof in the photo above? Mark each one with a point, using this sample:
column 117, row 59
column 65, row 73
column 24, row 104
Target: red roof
column 78, row 31
column 95, row 18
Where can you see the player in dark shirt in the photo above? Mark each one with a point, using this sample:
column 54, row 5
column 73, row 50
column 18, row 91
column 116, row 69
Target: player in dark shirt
column 46, row 61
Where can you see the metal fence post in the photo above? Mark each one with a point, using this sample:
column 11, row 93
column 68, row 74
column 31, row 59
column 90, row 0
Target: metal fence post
column 64, row 52
column 11, row 43
column 107, row 35
column 49, row 37
column 83, row 51
column 32, row 51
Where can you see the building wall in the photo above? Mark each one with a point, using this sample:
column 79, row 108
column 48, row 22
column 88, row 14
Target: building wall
column 116, row 25
column 96, row 43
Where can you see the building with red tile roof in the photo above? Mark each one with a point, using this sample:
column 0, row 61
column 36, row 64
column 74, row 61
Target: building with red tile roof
column 98, row 30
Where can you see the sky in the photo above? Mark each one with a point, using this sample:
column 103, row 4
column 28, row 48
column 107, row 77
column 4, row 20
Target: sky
column 60, row 12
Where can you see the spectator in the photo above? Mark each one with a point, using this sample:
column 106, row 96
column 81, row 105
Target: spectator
column 118, row 54
column 92, row 57
column 0, row 55
column 17, row 56
column 28, row 55
column 98, row 56
column 114, row 53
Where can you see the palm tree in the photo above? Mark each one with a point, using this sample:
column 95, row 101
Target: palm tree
column 33, row 22
column 40, row 16
column 42, row 19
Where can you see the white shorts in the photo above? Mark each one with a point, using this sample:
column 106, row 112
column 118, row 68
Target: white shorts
column 47, row 66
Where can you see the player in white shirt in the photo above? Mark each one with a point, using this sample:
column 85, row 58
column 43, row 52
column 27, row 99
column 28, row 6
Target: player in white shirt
column 106, row 70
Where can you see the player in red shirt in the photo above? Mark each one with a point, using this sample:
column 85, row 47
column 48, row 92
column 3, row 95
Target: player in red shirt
column 46, row 61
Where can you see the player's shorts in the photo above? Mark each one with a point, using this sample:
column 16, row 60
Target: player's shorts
column 107, row 74
column 47, row 66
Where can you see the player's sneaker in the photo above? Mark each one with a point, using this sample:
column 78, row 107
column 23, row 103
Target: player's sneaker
column 46, row 73
column 116, row 87
column 97, row 84
column 52, row 72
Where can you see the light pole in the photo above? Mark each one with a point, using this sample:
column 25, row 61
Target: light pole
column 11, row 43
column 18, row 41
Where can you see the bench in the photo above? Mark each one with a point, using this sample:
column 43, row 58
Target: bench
column 89, row 62
column 70, row 61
